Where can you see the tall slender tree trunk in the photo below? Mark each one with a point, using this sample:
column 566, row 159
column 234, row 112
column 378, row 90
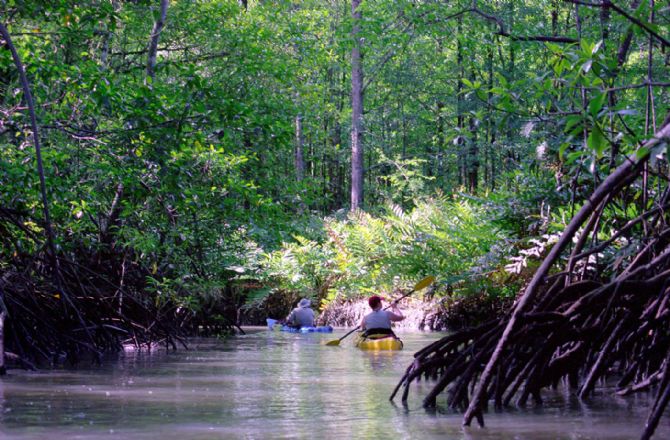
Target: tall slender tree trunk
column 473, row 157
column 325, row 165
column 155, row 35
column 357, row 156
column 299, row 145
column 333, row 186
column 554, row 17
column 338, row 171
column 622, row 55
column 439, row 140
column 490, row 127
column 492, row 160
column 403, row 126
column 107, row 36
column 3, row 314
column 510, row 158
column 650, row 114
column 28, row 96
column 605, row 22
column 462, row 163
column 310, row 163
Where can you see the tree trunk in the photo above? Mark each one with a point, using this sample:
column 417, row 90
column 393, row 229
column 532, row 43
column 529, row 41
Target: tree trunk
column 489, row 151
column 622, row 56
column 492, row 160
column 462, row 166
column 153, row 42
column 357, row 156
column 338, row 171
column 38, row 151
column 554, row 18
column 439, row 141
column 510, row 74
column 299, row 144
column 473, row 157
column 3, row 368
column 605, row 22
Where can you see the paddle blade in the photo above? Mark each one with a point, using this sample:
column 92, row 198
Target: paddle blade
column 424, row 283
column 334, row 343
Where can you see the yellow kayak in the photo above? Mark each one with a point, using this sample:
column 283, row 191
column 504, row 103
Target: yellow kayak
column 379, row 342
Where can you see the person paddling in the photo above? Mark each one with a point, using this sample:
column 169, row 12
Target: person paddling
column 378, row 322
column 301, row 316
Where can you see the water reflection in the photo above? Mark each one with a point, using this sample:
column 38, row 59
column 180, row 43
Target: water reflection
column 277, row 385
column 380, row 360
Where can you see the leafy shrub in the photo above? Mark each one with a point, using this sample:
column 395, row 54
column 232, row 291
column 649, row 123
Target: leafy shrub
column 525, row 202
column 367, row 253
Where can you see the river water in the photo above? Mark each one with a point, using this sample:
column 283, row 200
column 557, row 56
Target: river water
column 276, row 385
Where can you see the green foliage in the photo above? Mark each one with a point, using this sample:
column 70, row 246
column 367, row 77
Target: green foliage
column 190, row 175
column 525, row 202
column 365, row 253
column 172, row 174
column 403, row 180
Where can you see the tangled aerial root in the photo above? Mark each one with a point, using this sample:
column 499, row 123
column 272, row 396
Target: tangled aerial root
column 568, row 326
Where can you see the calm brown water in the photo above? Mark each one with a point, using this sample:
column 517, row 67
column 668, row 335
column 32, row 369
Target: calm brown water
column 276, row 385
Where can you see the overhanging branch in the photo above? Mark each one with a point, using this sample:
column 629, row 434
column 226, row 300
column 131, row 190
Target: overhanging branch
column 620, row 11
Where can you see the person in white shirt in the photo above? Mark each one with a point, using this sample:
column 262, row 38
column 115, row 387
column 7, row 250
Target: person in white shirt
column 379, row 321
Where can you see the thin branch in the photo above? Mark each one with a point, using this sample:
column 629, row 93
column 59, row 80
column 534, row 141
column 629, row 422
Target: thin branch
column 504, row 33
column 160, row 49
column 641, row 85
column 36, row 140
column 609, row 4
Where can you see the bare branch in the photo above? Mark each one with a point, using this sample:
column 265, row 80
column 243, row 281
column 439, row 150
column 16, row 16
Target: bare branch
column 609, row 4
column 504, row 33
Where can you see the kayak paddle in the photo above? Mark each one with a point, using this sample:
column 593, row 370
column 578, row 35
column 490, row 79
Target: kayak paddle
column 418, row 286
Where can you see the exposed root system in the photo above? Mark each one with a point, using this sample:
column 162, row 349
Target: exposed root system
column 574, row 325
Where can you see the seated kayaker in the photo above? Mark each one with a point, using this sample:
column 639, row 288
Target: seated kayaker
column 378, row 322
column 301, row 316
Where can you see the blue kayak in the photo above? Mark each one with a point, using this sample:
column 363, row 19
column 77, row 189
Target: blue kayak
column 320, row 329
column 273, row 324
